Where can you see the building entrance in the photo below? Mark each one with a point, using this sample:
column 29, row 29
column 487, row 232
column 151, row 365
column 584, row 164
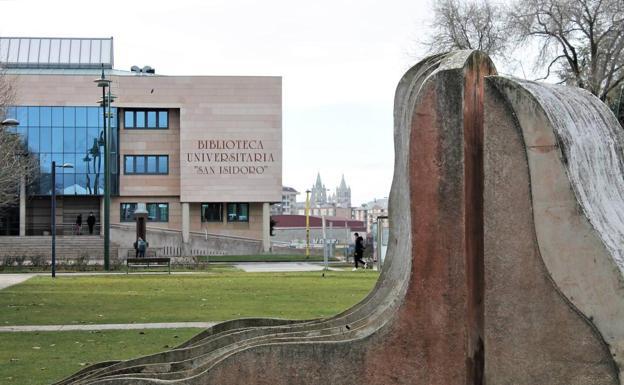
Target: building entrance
column 38, row 219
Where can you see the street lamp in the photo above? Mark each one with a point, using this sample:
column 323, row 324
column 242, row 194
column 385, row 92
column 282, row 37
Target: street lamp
column 54, row 167
column 307, row 215
column 107, row 99
column 9, row 123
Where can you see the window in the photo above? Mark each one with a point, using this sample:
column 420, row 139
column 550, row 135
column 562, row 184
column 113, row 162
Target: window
column 146, row 164
column 127, row 212
column 212, row 212
column 238, row 212
column 129, row 118
column 156, row 212
column 67, row 134
column 148, row 119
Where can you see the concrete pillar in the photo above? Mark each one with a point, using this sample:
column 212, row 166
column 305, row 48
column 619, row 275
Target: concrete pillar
column 266, row 227
column 186, row 222
column 22, row 207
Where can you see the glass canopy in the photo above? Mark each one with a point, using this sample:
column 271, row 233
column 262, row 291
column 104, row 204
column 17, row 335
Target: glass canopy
column 34, row 52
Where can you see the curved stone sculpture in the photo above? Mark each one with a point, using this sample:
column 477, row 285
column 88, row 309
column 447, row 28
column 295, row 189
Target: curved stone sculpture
column 475, row 288
column 554, row 225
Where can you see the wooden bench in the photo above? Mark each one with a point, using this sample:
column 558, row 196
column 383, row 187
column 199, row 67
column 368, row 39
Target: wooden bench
column 148, row 262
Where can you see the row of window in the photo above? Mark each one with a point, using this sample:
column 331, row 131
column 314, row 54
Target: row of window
column 146, row 164
column 210, row 212
column 37, row 116
column 155, row 119
column 156, row 212
column 236, row 212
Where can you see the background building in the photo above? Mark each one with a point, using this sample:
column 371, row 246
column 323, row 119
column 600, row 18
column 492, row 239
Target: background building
column 368, row 212
column 324, row 204
column 288, row 204
column 203, row 152
column 290, row 230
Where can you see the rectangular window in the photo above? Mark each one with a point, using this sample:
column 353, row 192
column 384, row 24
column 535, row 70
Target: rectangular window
column 212, row 212
column 129, row 165
column 150, row 119
column 127, row 212
column 129, row 119
column 146, row 164
column 163, row 119
column 238, row 212
column 151, row 164
column 139, row 119
column 156, row 212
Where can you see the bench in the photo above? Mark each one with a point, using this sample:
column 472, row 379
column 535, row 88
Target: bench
column 148, row 262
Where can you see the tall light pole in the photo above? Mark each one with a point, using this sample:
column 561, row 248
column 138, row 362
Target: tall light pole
column 307, row 215
column 53, row 212
column 106, row 102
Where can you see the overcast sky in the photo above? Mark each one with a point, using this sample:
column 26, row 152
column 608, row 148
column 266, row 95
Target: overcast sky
column 340, row 62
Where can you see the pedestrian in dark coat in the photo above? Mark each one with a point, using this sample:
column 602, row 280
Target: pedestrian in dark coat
column 359, row 251
column 91, row 222
column 78, row 224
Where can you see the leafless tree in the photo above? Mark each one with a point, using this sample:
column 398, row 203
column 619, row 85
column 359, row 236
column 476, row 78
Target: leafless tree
column 580, row 41
column 15, row 161
column 472, row 24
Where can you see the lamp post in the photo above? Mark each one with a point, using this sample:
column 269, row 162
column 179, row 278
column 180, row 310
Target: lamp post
column 53, row 212
column 9, row 123
column 106, row 102
column 307, row 215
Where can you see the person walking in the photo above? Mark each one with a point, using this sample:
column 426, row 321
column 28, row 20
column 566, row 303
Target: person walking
column 359, row 251
column 78, row 224
column 91, row 222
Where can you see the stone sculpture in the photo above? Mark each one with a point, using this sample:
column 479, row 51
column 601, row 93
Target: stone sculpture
column 504, row 264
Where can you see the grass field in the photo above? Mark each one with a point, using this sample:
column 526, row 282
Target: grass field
column 44, row 357
column 178, row 298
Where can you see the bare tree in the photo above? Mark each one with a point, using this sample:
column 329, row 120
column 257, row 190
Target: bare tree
column 15, row 161
column 473, row 24
column 580, row 41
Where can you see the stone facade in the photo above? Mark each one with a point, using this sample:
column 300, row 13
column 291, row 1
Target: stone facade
column 223, row 141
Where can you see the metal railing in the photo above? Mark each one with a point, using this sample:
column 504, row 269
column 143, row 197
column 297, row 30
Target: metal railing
column 62, row 229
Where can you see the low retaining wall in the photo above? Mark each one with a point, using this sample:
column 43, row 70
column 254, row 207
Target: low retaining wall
column 169, row 243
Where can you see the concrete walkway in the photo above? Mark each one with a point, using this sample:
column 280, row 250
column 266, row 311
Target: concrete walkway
column 7, row 280
column 82, row 327
column 272, row 267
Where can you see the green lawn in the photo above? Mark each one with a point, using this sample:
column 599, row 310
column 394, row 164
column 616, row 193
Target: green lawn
column 45, row 357
column 263, row 258
column 178, row 298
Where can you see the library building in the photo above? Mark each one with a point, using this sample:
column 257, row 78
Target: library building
column 202, row 154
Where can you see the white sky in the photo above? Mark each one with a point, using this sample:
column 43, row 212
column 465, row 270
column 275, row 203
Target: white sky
column 340, row 61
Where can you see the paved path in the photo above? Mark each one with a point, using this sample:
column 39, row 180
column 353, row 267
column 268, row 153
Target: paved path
column 7, row 280
column 267, row 267
column 61, row 328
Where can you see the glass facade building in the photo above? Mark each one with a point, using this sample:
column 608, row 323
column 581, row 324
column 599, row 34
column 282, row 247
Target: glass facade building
column 72, row 135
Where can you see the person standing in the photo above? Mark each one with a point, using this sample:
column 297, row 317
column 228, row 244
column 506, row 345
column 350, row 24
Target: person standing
column 359, row 251
column 141, row 247
column 78, row 224
column 91, row 222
